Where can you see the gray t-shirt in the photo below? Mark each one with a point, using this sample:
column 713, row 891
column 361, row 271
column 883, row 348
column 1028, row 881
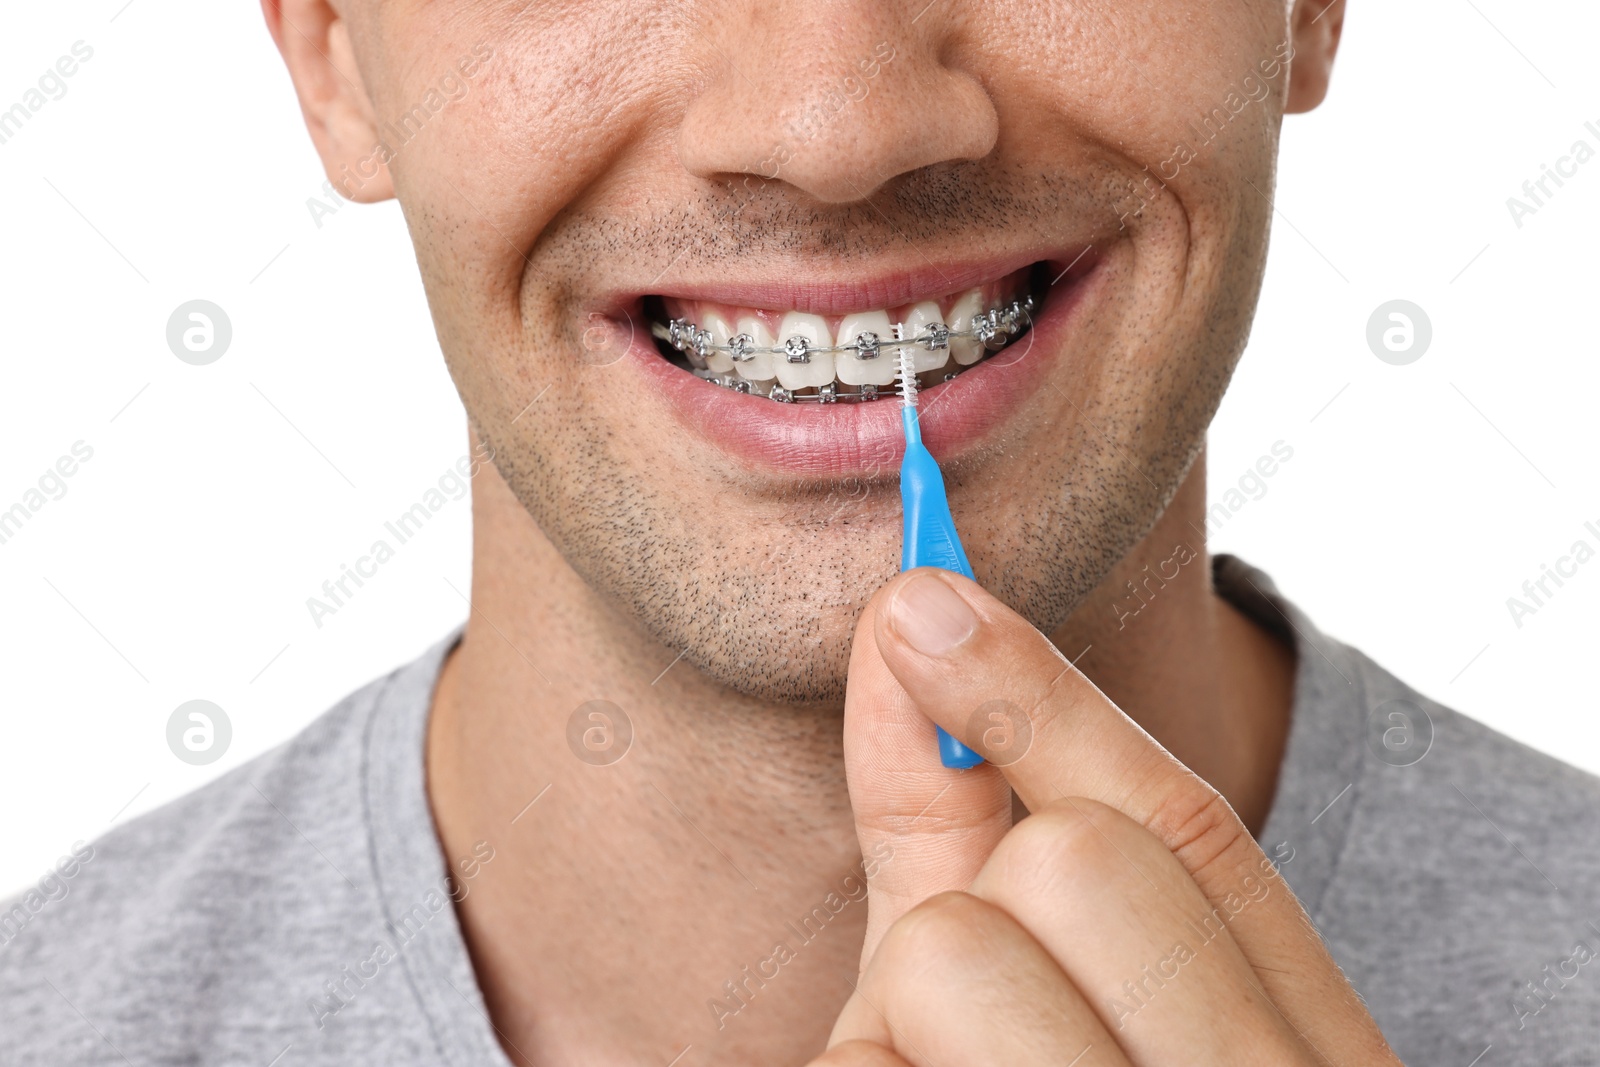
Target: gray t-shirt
column 297, row 910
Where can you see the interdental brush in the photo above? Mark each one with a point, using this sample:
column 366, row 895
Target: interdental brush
column 930, row 533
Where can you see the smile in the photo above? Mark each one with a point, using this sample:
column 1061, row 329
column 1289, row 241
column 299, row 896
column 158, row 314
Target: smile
column 794, row 356
column 975, row 375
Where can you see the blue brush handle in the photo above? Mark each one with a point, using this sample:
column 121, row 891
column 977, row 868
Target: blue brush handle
column 930, row 541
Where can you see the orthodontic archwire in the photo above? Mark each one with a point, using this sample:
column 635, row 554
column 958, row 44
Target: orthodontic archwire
column 992, row 329
column 930, row 538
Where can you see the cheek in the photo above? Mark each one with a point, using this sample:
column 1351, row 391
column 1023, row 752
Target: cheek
column 563, row 93
column 1161, row 86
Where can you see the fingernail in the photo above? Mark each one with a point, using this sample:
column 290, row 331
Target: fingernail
column 931, row 616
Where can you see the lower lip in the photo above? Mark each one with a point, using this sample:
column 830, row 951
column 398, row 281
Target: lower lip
column 863, row 438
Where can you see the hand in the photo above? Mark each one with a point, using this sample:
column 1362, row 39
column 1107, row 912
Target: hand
column 1130, row 919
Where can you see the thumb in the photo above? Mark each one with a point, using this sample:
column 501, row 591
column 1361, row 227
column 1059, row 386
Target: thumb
column 923, row 827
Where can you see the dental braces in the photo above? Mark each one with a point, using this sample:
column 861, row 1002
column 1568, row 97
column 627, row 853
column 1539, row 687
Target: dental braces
column 827, row 393
column 992, row 329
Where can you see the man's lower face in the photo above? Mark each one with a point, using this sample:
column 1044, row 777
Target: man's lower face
column 675, row 369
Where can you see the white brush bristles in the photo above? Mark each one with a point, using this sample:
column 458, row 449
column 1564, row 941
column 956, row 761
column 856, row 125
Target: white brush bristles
column 907, row 379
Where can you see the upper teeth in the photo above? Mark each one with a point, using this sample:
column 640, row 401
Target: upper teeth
column 806, row 354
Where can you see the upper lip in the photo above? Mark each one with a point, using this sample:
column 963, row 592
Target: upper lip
column 841, row 290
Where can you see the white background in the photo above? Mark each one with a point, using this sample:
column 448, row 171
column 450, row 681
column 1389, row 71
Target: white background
column 219, row 498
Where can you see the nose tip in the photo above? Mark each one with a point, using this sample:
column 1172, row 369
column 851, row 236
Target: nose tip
column 841, row 125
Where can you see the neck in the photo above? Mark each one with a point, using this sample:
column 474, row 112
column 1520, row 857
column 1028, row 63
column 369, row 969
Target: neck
column 697, row 891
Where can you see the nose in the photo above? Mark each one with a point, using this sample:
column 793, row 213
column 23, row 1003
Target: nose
column 834, row 99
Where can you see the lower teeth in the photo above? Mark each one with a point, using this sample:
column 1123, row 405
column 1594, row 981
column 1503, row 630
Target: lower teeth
column 994, row 330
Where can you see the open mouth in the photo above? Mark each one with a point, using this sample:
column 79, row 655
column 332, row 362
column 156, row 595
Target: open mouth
column 794, row 356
